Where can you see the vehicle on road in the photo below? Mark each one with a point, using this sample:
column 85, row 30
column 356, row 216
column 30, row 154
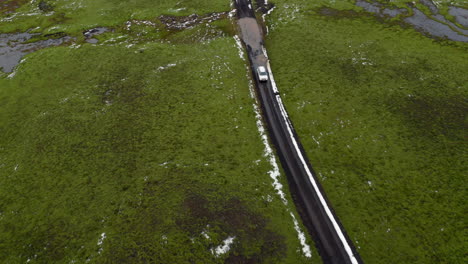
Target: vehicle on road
column 262, row 74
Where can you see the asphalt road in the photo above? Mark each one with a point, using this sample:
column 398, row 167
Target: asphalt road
column 332, row 242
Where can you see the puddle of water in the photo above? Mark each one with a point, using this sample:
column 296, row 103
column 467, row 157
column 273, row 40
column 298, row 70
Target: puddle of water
column 380, row 10
column 14, row 46
column 394, row 12
column 431, row 6
column 90, row 34
column 435, row 15
column 9, row 6
column 369, row 7
column 436, row 25
column 460, row 14
column 423, row 23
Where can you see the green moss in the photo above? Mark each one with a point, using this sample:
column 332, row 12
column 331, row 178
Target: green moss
column 76, row 16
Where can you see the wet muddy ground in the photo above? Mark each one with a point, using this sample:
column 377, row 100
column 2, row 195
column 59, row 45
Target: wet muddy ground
column 14, row 46
column 434, row 25
column 185, row 22
column 9, row 6
column 90, row 34
column 460, row 14
column 434, row 28
column 177, row 23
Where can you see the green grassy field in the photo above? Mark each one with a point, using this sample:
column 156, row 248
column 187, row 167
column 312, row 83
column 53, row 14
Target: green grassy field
column 140, row 149
column 381, row 111
column 74, row 16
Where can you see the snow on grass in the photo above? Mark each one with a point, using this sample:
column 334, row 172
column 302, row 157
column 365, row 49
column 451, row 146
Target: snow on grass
column 274, row 172
column 232, row 13
column 16, row 15
column 205, row 234
column 74, row 5
column 170, row 65
column 11, row 75
column 205, row 231
column 100, row 241
column 239, row 47
column 301, row 236
column 264, row 17
column 224, row 247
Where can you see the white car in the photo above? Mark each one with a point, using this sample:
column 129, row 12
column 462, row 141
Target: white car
column 262, row 74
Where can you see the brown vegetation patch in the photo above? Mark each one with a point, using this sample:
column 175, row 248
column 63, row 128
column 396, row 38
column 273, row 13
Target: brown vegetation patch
column 183, row 22
column 331, row 12
column 434, row 116
column 254, row 242
column 9, row 6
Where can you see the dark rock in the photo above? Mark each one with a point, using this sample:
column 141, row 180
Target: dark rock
column 44, row 6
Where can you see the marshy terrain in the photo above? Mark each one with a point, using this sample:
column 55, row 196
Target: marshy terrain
column 130, row 132
column 377, row 92
column 129, row 135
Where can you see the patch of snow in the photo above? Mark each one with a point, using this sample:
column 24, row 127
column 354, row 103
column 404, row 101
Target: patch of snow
column 239, row 47
column 161, row 68
column 33, row 12
column 302, row 238
column 74, row 5
column 75, row 46
column 177, row 10
column 164, row 164
column 275, row 172
column 290, row 13
column 266, row 14
column 100, row 241
column 268, row 151
column 271, row 10
column 316, row 141
column 232, row 13
column 204, row 233
column 11, row 75
column 224, row 247
column 128, row 24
